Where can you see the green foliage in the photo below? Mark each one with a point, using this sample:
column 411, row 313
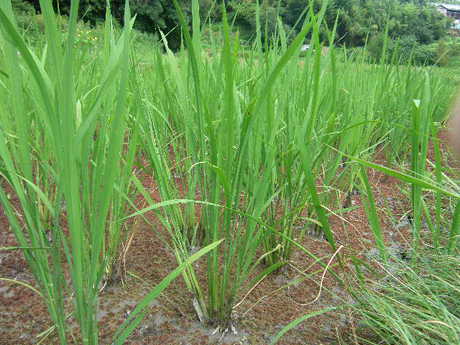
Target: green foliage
column 357, row 20
column 67, row 156
column 249, row 138
column 27, row 18
column 152, row 16
column 49, row 164
column 406, row 49
column 244, row 15
column 236, row 147
column 23, row 7
column 410, row 25
column 414, row 304
column 448, row 52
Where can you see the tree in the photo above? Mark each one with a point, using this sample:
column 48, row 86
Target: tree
column 357, row 20
column 360, row 19
column 152, row 15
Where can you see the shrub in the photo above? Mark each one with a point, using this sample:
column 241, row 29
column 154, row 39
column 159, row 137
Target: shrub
column 24, row 13
column 403, row 50
column 151, row 15
column 448, row 51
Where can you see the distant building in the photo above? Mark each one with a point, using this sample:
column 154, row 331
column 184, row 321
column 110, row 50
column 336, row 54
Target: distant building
column 452, row 11
column 449, row 10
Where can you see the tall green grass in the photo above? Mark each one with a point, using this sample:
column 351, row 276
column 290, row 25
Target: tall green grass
column 253, row 146
column 67, row 154
column 60, row 146
column 413, row 305
column 251, row 130
column 413, row 301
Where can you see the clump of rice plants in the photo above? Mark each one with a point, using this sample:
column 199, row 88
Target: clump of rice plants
column 67, row 154
column 415, row 301
column 413, row 304
column 257, row 149
column 251, row 147
column 219, row 130
column 60, row 148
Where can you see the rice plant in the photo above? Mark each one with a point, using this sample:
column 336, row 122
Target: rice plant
column 67, row 154
column 253, row 147
column 413, row 305
column 250, row 141
column 60, row 149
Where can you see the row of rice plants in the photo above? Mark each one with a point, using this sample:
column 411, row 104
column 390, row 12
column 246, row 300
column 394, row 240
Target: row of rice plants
column 251, row 150
column 409, row 284
column 64, row 127
column 262, row 144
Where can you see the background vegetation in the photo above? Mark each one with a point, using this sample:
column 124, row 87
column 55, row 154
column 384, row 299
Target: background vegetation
column 414, row 28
